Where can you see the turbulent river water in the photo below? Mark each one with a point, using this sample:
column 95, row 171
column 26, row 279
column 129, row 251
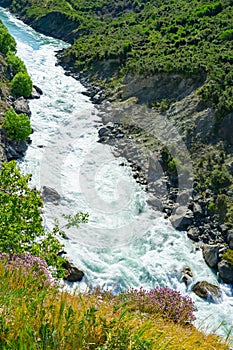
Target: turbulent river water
column 125, row 243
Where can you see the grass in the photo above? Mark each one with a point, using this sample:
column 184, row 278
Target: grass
column 35, row 316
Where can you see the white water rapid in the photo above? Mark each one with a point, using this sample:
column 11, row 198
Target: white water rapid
column 125, row 244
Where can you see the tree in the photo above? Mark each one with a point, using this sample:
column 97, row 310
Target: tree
column 17, row 126
column 21, row 84
column 21, row 228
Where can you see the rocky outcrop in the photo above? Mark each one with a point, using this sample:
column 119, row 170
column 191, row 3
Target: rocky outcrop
column 14, row 149
column 211, row 255
column 73, row 273
column 182, row 218
column 158, row 87
column 225, row 270
column 207, row 291
column 49, row 194
column 21, row 106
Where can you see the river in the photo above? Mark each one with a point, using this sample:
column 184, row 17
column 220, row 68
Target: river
column 125, row 243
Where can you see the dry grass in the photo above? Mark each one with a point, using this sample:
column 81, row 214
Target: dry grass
column 35, row 316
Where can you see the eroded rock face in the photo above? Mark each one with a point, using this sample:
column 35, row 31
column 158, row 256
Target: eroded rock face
column 208, row 291
column 225, row 271
column 158, row 87
column 21, row 106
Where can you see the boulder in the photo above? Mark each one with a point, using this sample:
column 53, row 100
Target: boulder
column 182, row 218
column 211, row 254
column 155, row 203
column 193, row 233
column 15, row 149
column 197, row 210
column 21, row 106
column 36, row 92
column 49, row 194
column 73, row 273
column 207, row 290
column 104, row 131
column 225, row 270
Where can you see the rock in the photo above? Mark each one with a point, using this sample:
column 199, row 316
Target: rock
column 225, row 270
column 21, row 106
column 197, row 210
column 15, row 149
column 230, row 238
column 193, row 233
column 155, row 203
column 36, row 92
column 49, row 194
column 73, row 273
column 104, row 131
column 182, row 218
column 211, row 255
column 186, row 275
column 207, row 290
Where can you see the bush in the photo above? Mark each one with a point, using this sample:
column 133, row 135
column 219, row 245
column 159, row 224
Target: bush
column 7, row 42
column 169, row 303
column 29, row 264
column 21, row 84
column 17, row 126
column 228, row 255
column 16, row 63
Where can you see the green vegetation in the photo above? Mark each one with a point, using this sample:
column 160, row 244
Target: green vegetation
column 16, row 63
column 17, row 126
column 228, row 256
column 21, row 228
column 35, row 315
column 7, row 42
column 147, row 37
column 21, row 84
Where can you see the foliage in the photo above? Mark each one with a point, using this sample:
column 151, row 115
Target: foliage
column 16, row 63
column 170, row 303
column 29, row 264
column 36, row 316
column 228, row 255
column 7, row 42
column 17, row 126
column 21, row 229
column 147, row 37
column 21, row 84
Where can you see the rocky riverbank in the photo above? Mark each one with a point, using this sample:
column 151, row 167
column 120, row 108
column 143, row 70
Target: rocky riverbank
column 190, row 184
column 145, row 137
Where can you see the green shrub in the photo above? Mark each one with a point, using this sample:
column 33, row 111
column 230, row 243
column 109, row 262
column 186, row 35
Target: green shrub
column 21, row 84
column 16, row 63
column 228, row 256
column 17, row 126
column 7, row 42
column 227, row 35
